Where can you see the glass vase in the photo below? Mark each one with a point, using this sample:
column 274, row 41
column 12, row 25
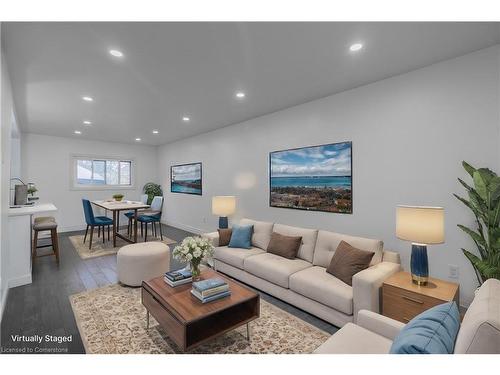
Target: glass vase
column 195, row 271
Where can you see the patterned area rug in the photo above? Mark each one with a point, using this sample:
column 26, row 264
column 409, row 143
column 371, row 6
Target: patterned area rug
column 100, row 249
column 112, row 320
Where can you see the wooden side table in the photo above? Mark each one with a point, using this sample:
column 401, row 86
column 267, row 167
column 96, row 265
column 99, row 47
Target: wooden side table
column 403, row 300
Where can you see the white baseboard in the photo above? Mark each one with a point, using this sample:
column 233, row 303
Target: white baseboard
column 76, row 228
column 185, row 227
column 18, row 281
column 73, row 228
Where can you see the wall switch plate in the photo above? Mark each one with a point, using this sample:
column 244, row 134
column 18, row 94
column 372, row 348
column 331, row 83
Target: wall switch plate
column 453, row 271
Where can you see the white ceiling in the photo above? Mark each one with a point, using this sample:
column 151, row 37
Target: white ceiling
column 174, row 69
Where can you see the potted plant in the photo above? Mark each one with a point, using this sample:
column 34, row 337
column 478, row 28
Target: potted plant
column 31, row 191
column 118, row 197
column 152, row 190
column 484, row 202
column 193, row 250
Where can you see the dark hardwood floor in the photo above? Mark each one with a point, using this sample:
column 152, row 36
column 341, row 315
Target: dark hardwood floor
column 43, row 307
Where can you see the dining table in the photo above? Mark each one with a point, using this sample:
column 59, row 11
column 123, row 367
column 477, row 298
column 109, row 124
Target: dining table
column 116, row 207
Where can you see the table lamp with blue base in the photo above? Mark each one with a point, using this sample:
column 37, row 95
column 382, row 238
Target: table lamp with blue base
column 223, row 206
column 422, row 226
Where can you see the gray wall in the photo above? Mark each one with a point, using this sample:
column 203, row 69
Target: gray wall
column 409, row 133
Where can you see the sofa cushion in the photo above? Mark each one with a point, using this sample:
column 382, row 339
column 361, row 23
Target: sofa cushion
column 327, row 244
column 308, row 239
column 273, row 268
column 353, row 339
column 241, row 236
column 285, row 246
column 224, row 236
column 234, row 256
column 261, row 232
column 315, row 283
column 348, row 261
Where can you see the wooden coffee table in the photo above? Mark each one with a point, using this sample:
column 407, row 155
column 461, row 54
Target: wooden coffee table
column 187, row 321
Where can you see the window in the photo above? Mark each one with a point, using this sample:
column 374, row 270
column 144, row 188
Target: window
column 101, row 172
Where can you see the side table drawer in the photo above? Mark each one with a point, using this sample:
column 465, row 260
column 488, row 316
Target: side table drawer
column 403, row 305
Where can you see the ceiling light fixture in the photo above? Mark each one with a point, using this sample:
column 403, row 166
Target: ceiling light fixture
column 137, row 139
column 87, row 122
column 155, row 131
column 115, row 53
column 355, row 47
column 240, row 95
column 78, row 132
column 186, row 119
column 88, row 98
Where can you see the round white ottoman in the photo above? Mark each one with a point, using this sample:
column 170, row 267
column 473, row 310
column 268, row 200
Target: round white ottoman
column 142, row 261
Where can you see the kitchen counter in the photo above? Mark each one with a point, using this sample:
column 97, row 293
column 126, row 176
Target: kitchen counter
column 35, row 209
column 20, row 241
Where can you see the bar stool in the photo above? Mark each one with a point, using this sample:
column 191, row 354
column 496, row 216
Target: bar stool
column 42, row 224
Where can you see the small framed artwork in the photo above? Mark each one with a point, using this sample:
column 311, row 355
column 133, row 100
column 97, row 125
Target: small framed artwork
column 186, row 178
column 315, row 178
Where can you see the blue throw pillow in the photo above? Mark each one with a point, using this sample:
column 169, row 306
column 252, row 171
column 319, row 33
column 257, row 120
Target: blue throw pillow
column 241, row 236
column 432, row 332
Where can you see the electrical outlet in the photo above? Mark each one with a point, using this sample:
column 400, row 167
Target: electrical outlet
column 453, row 271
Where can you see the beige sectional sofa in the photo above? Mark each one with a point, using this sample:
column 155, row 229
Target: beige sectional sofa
column 303, row 281
column 373, row 333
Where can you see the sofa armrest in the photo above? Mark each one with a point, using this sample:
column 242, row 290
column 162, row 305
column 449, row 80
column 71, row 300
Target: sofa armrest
column 391, row 256
column 366, row 286
column 213, row 237
column 379, row 324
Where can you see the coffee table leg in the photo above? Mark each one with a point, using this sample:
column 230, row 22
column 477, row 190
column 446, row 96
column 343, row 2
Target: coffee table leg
column 147, row 319
column 248, row 331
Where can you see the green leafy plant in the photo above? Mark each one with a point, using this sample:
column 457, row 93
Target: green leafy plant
column 152, row 190
column 484, row 202
column 118, row 197
column 32, row 190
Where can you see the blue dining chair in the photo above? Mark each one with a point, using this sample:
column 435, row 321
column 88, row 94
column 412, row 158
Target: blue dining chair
column 130, row 214
column 94, row 221
column 152, row 216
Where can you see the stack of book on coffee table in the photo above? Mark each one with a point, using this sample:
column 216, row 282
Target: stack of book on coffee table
column 210, row 289
column 179, row 277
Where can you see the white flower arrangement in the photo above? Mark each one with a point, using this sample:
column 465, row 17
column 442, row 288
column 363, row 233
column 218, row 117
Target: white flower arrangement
column 193, row 250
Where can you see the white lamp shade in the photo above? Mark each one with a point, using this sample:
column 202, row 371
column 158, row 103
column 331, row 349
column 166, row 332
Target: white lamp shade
column 423, row 225
column 223, row 205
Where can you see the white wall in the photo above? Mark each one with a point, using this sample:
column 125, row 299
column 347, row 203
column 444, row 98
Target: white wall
column 409, row 133
column 7, row 121
column 46, row 162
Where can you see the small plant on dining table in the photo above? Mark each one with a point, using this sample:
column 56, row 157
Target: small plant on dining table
column 193, row 250
column 118, row 197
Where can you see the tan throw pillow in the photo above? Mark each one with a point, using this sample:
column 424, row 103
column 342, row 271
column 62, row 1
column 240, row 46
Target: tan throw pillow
column 348, row 261
column 285, row 246
column 224, row 236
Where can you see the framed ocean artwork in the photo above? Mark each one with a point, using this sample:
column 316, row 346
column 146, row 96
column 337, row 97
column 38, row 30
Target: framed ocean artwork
column 186, row 178
column 315, row 178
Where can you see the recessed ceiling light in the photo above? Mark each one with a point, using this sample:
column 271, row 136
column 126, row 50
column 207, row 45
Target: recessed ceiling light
column 115, row 53
column 155, row 131
column 87, row 122
column 88, row 98
column 137, row 139
column 78, row 132
column 355, row 47
column 240, row 94
column 186, row 119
